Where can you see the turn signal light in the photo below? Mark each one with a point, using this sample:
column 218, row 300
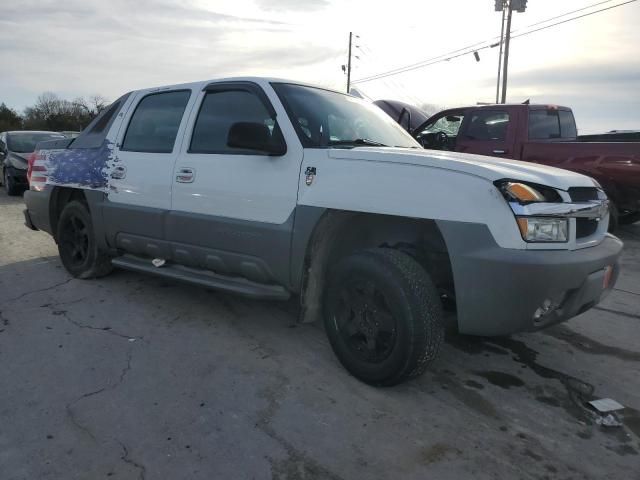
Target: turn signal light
column 523, row 193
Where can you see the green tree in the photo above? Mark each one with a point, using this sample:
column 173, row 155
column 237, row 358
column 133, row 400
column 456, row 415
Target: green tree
column 9, row 119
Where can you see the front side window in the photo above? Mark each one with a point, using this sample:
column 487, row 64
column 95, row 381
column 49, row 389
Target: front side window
column 323, row 119
column 222, row 109
column 488, row 125
column 154, row 125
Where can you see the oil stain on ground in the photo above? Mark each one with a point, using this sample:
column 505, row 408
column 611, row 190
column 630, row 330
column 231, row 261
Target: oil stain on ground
column 588, row 345
column 500, row 379
column 579, row 392
column 470, row 398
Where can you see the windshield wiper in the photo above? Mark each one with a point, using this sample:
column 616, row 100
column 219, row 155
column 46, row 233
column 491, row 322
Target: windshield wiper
column 359, row 142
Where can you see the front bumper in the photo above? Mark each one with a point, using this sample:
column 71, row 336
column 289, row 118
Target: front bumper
column 502, row 291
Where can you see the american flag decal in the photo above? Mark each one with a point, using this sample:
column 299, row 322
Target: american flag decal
column 80, row 167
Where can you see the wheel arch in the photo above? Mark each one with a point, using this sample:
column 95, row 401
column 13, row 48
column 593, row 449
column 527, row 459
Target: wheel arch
column 61, row 196
column 337, row 233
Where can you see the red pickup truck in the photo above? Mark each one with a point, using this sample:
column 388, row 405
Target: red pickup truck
column 543, row 134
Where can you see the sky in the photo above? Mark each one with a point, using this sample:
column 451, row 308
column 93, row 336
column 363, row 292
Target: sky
column 108, row 47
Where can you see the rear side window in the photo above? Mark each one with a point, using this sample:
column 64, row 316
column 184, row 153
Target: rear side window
column 548, row 124
column 220, row 110
column 567, row 124
column 488, row 125
column 154, row 124
column 93, row 136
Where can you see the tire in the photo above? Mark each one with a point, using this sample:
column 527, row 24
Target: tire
column 9, row 184
column 629, row 218
column 77, row 244
column 383, row 316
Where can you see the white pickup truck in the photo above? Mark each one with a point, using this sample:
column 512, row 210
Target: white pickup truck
column 270, row 188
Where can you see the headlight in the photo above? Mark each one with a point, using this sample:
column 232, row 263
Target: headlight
column 543, row 229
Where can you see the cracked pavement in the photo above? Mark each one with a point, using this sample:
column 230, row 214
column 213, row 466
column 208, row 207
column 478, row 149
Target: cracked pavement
column 132, row 377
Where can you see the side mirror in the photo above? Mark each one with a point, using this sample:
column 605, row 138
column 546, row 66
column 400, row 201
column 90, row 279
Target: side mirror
column 256, row 136
column 3, row 147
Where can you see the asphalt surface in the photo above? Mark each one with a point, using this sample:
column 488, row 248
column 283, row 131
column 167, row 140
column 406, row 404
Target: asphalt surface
column 132, row 377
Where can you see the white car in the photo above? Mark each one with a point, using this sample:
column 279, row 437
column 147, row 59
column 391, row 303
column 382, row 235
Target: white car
column 270, row 188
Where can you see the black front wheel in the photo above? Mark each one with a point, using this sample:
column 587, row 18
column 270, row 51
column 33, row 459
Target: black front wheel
column 77, row 244
column 383, row 316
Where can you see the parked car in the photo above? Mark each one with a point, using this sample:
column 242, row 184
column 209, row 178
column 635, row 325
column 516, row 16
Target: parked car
column 15, row 147
column 70, row 133
column 269, row 189
column 544, row 134
column 408, row 116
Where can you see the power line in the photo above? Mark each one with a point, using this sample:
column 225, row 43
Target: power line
column 568, row 13
column 469, row 49
column 574, row 18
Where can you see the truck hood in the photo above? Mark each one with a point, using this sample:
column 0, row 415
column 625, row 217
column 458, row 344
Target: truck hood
column 489, row 168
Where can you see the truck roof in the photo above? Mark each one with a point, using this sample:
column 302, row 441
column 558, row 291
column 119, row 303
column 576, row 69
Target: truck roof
column 491, row 106
column 255, row 79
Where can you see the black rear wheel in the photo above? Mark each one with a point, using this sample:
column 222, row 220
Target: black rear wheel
column 77, row 245
column 10, row 184
column 383, row 316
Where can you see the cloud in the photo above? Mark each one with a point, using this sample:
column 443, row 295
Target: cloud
column 579, row 76
column 81, row 48
column 296, row 5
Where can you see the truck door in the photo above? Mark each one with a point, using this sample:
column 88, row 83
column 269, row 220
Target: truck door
column 233, row 208
column 488, row 132
column 139, row 194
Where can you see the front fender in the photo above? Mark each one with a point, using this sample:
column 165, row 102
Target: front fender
column 407, row 190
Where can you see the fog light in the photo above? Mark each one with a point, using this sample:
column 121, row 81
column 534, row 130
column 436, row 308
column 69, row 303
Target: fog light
column 547, row 307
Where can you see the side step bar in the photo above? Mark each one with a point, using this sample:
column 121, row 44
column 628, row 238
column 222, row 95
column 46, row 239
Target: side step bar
column 203, row 278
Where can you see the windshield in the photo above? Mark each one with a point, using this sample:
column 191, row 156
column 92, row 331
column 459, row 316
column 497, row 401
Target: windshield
column 323, row 118
column 449, row 124
column 26, row 142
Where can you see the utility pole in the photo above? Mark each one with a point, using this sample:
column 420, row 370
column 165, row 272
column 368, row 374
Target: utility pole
column 349, row 63
column 506, row 53
column 500, row 55
column 511, row 5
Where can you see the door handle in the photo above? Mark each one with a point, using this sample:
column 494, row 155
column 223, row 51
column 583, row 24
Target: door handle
column 500, row 152
column 119, row 172
column 185, row 175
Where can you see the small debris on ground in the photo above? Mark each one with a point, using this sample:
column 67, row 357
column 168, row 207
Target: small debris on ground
column 605, row 405
column 609, row 420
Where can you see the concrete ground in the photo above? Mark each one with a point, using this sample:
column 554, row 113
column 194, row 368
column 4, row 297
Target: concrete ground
column 132, row 377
